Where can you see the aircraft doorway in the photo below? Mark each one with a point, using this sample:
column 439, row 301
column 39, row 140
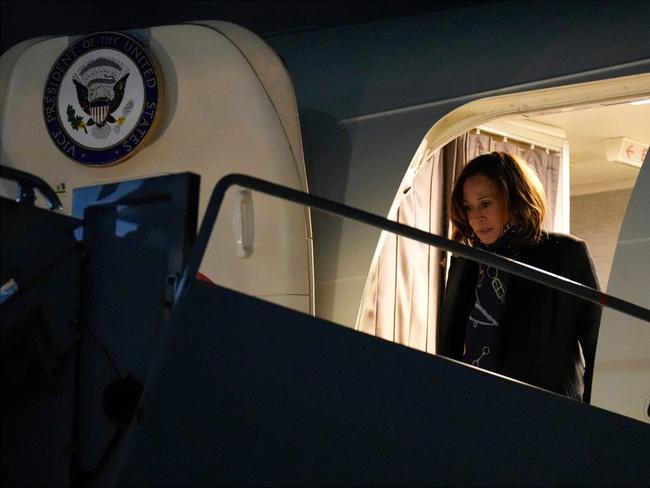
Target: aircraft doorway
column 568, row 142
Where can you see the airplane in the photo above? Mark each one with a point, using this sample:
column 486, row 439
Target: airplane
column 354, row 114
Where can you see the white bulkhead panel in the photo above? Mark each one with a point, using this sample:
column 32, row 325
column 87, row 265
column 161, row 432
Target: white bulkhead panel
column 274, row 77
column 622, row 372
column 227, row 106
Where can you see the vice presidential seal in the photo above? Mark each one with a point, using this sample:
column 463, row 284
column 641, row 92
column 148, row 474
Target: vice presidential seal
column 101, row 99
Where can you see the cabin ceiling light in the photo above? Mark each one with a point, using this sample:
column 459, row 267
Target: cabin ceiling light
column 641, row 102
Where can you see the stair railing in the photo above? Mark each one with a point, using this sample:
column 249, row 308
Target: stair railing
column 484, row 257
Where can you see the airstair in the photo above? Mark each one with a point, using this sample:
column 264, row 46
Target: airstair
column 121, row 368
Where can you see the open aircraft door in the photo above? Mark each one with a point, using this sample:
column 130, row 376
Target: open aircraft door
column 622, row 370
column 404, row 272
column 224, row 103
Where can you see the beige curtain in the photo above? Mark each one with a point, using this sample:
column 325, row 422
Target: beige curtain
column 400, row 298
column 404, row 288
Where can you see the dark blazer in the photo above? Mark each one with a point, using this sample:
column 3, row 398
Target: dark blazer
column 544, row 330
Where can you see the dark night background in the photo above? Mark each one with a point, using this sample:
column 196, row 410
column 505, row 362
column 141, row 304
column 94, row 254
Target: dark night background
column 23, row 20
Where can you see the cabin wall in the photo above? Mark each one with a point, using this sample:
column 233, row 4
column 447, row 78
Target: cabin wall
column 368, row 95
column 597, row 218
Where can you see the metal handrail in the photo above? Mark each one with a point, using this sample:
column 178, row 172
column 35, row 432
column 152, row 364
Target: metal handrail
column 506, row 264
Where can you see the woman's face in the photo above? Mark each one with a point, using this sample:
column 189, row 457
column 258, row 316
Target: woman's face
column 485, row 208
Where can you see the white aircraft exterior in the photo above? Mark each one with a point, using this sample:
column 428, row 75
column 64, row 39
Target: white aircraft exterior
column 348, row 114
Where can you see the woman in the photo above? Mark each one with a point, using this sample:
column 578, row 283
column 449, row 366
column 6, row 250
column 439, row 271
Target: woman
column 507, row 324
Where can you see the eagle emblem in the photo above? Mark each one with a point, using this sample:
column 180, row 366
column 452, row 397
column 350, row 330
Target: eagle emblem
column 100, row 85
column 101, row 99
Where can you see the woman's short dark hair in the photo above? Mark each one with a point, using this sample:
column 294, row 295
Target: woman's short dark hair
column 520, row 187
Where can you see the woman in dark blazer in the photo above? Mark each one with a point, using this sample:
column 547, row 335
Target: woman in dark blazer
column 504, row 323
